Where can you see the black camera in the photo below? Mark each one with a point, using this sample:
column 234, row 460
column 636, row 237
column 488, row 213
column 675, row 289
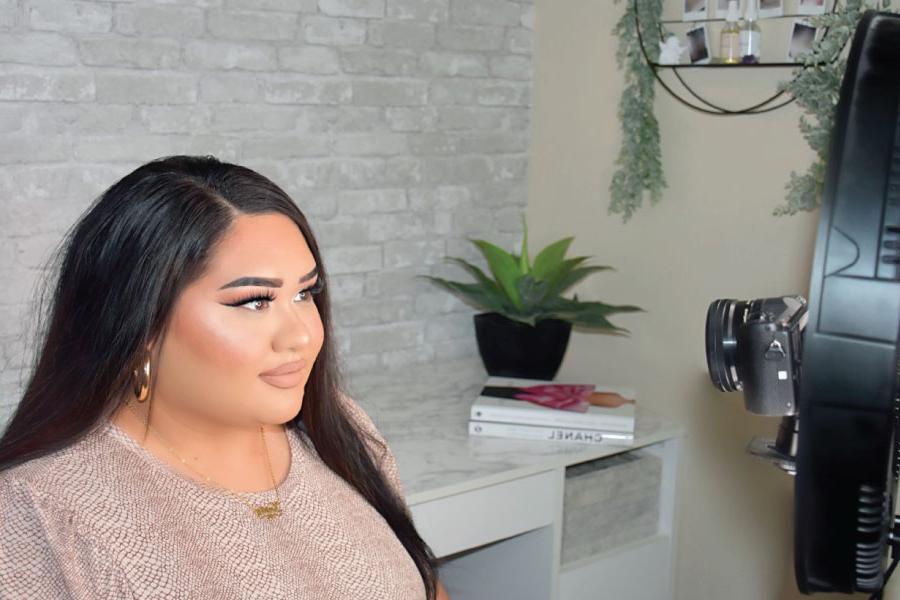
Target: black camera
column 755, row 346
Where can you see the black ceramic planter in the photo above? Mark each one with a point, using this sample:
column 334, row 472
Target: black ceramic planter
column 511, row 348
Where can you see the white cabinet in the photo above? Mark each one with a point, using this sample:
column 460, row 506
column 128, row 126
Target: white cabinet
column 488, row 514
column 504, row 540
column 637, row 570
column 493, row 509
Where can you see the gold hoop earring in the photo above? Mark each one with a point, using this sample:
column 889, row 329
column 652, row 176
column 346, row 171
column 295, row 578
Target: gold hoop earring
column 142, row 382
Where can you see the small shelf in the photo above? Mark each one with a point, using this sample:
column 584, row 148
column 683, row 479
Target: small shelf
column 694, row 99
column 761, row 65
column 718, row 20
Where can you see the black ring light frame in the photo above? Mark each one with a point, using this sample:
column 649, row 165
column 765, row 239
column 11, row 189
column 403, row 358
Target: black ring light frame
column 848, row 456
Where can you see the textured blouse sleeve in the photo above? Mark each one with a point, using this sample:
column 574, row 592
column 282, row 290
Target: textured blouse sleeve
column 384, row 457
column 44, row 555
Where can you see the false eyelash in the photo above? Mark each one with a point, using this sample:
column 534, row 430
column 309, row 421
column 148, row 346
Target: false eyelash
column 252, row 298
column 312, row 290
column 316, row 287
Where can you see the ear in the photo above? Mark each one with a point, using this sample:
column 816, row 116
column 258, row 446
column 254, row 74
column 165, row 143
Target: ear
column 152, row 350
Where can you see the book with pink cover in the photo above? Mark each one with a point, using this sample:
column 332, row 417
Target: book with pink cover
column 557, row 404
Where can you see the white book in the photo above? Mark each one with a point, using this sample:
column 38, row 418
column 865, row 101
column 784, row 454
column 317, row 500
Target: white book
column 549, row 434
column 498, row 405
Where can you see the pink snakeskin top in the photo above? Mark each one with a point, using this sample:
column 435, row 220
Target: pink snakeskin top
column 106, row 519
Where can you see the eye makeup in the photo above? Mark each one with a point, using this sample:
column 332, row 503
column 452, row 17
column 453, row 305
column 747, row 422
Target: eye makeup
column 265, row 281
column 312, row 290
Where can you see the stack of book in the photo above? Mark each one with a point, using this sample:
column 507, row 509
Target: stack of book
column 535, row 409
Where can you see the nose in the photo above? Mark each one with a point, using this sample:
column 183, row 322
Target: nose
column 293, row 331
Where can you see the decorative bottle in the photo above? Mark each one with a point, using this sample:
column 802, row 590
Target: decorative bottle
column 730, row 38
column 750, row 34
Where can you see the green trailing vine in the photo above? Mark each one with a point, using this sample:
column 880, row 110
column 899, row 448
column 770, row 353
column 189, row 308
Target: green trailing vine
column 816, row 89
column 639, row 172
column 815, row 86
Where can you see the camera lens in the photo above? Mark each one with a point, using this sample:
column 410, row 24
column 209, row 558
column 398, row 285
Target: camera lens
column 722, row 321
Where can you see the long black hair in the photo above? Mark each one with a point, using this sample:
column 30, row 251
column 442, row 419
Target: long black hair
column 124, row 264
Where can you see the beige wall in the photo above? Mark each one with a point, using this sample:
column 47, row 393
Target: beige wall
column 712, row 236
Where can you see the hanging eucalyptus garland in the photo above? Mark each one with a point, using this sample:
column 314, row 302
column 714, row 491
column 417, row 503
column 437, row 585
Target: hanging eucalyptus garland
column 816, row 89
column 639, row 172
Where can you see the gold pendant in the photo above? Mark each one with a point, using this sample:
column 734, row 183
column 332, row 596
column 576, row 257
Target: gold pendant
column 268, row 511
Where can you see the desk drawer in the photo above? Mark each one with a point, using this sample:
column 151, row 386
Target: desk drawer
column 495, row 512
column 609, row 502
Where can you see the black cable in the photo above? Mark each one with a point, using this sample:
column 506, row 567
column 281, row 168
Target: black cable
column 887, row 575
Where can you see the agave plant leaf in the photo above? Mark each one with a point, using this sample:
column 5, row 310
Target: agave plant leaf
column 528, row 319
column 474, row 293
column 503, row 267
column 556, row 280
column 532, row 293
column 594, row 316
column 565, row 305
column 610, row 309
column 589, row 317
column 550, row 258
column 478, row 274
column 576, row 260
column 523, row 258
column 592, row 320
column 518, row 259
column 572, row 277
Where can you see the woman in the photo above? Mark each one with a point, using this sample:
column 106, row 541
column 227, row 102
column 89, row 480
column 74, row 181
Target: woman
column 184, row 433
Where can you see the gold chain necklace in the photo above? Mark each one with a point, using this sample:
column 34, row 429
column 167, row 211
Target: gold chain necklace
column 264, row 511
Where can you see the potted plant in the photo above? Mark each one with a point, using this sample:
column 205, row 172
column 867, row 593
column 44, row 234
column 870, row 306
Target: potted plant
column 525, row 329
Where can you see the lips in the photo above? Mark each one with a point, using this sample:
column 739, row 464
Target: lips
column 284, row 381
column 285, row 376
column 286, row 368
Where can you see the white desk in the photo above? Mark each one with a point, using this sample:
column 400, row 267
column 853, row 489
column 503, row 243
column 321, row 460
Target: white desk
column 493, row 508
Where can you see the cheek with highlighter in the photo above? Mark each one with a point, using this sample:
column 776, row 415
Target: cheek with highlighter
column 218, row 343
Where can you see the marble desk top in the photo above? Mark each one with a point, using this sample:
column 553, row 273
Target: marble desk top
column 423, row 413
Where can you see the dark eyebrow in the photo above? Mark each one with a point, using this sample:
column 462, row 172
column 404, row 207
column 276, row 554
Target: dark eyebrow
column 264, row 281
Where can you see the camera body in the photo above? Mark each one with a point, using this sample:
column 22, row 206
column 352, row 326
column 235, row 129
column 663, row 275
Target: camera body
column 755, row 346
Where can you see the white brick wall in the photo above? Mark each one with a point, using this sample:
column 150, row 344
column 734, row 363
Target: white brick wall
column 400, row 127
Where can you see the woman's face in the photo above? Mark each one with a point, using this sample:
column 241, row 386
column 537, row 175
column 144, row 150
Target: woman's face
column 219, row 340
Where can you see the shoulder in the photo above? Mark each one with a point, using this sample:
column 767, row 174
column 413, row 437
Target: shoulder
column 31, row 508
column 363, row 420
column 365, row 423
column 62, row 479
column 44, row 475
column 15, row 495
column 42, row 528
column 26, row 513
